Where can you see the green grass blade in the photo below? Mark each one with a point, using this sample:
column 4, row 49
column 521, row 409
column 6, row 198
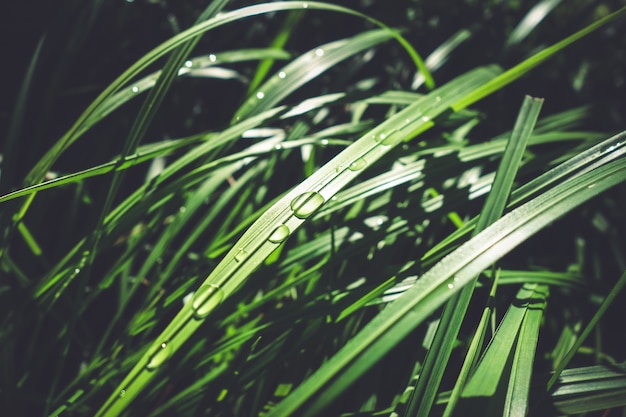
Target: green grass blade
column 528, row 64
column 592, row 388
column 305, row 68
column 517, row 398
column 281, row 220
column 507, row 362
column 585, row 333
column 455, row 310
column 438, row 284
column 279, row 42
column 143, row 63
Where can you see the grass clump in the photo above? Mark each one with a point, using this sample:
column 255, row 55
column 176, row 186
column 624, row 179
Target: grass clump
column 277, row 225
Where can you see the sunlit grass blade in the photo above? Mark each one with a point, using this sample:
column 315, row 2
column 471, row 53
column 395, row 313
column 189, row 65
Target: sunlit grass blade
column 507, row 360
column 439, row 283
column 281, row 220
column 588, row 389
column 452, row 317
column 530, row 63
column 305, row 68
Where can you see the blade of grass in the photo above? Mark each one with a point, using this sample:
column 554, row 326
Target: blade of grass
column 528, row 64
column 517, row 398
column 279, row 42
column 585, row 333
column 438, row 284
column 438, row 355
column 281, row 220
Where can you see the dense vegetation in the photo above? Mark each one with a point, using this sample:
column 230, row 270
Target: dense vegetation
column 296, row 208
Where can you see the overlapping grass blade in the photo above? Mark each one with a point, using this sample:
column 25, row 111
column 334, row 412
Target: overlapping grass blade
column 592, row 388
column 587, row 330
column 438, row 355
column 507, row 362
column 282, row 219
column 439, row 284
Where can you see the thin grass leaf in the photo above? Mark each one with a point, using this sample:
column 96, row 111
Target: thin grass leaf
column 517, row 397
column 452, row 317
column 592, row 388
column 534, row 17
column 508, row 359
column 181, row 38
column 528, row 64
column 473, row 351
column 280, row 221
column 305, row 68
column 439, row 284
column 279, row 42
column 587, row 330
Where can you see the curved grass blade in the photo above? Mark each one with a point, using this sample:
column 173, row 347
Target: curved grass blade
column 281, row 220
column 144, row 62
column 590, row 326
column 437, row 285
column 532, row 62
column 592, row 388
column 455, row 310
column 307, row 67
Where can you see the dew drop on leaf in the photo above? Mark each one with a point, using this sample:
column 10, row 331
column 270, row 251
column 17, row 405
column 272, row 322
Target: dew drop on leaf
column 279, row 235
column 306, row 204
column 241, row 255
column 160, row 356
column 206, row 298
column 357, row 164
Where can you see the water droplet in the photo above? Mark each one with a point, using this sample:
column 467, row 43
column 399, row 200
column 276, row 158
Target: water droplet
column 380, row 137
column 122, row 393
column 324, row 142
column 305, row 5
column 279, row 234
column 278, row 147
column 188, row 64
column 306, row 204
column 135, row 89
column 358, row 164
column 425, row 119
column 182, row 209
column 437, row 99
column 591, row 185
column 450, row 286
column 241, row 255
column 282, row 74
column 319, row 52
column 160, row 356
column 260, row 95
column 212, row 58
column 76, row 271
column 205, row 299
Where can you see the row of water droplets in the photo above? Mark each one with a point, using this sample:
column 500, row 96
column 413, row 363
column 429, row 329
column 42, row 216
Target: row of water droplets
column 209, row 296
